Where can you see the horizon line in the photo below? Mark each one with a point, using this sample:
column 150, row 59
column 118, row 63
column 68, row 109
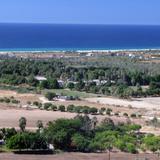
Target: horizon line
column 50, row 23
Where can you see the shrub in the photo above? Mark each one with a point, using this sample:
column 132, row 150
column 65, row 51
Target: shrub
column 47, row 106
column 70, row 85
column 102, row 110
column 108, row 111
column 133, row 115
column 15, row 101
column 8, row 133
column 35, row 103
column 131, row 148
column 93, row 110
column 1, row 100
column 71, row 108
column 50, row 95
column 85, row 109
column 40, row 105
column 125, row 114
column 116, row 114
column 78, row 109
column 61, row 108
column 7, row 100
column 54, row 108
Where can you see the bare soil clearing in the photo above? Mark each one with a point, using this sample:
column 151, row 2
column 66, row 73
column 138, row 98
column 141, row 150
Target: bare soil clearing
column 22, row 97
column 10, row 117
column 9, row 114
column 148, row 103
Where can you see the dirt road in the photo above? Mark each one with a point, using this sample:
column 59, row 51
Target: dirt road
column 77, row 156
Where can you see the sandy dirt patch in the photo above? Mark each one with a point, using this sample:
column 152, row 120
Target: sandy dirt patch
column 146, row 103
column 23, row 98
column 10, row 117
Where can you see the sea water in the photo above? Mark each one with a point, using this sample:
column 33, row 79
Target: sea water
column 69, row 37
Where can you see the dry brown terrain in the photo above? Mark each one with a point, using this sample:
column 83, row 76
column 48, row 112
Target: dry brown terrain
column 78, row 156
column 10, row 114
column 22, row 97
column 148, row 103
column 10, row 117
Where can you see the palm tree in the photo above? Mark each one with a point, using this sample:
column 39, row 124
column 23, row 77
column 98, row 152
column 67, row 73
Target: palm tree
column 22, row 123
column 39, row 125
column 94, row 122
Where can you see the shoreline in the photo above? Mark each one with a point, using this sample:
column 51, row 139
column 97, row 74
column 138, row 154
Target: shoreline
column 76, row 51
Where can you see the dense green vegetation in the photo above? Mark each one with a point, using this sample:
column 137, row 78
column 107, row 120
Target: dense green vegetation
column 82, row 134
column 123, row 77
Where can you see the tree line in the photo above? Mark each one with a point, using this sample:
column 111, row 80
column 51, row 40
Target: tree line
column 81, row 134
column 121, row 75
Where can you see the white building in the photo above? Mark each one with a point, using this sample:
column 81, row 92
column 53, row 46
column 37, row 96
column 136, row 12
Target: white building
column 40, row 78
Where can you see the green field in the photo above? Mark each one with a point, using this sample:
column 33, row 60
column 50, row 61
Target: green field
column 71, row 93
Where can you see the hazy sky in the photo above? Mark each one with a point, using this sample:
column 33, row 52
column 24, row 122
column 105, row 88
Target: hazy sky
column 81, row 11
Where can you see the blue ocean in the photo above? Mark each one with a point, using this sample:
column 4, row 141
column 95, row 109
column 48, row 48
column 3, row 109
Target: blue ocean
column 46, row 37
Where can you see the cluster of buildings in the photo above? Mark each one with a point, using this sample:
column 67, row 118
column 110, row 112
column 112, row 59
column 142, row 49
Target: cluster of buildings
column 63, row 83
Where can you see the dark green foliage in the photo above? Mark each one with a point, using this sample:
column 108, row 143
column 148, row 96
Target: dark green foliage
column 54, row 108
column 50, row 95
column 107, row 123
column 83, row 134
column 70, row 85
column 7, row 133
column 49, row 84
column 133, row 115
column 70, row 108
column 93, row 110
column 35, row 103
column 80, row 142
column 27, row 141
column 61, row 131
column 47, row 106
column 61, row 108
column 32, row 81
column 14, row 101
column 152, row 143
column 120, row 74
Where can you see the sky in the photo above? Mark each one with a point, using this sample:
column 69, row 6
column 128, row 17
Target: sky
column 145, row 12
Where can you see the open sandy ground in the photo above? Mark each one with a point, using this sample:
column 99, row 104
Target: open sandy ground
column 10, row 117
column 78, row 156
column 148, row 103
column 24, row 98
